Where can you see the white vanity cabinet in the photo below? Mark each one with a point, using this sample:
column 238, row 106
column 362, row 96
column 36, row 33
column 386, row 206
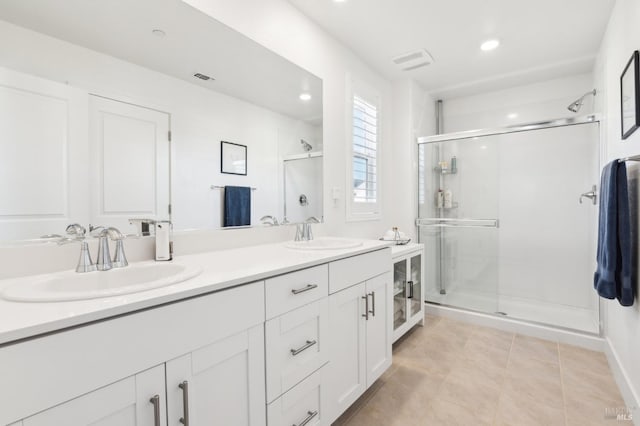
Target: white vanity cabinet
column 359, row 328
column 408, row 288
column 135, row 401
column 213, row 342
column 295, row 349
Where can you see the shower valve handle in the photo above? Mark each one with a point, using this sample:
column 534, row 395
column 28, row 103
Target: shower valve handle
column 592, row 195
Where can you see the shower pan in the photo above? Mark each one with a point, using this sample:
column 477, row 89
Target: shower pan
column 505, row 223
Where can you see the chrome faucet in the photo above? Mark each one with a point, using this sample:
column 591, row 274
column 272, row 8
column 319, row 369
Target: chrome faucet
column 104, row 262
column 304, row 231
column 77, row 233
column 269, row 220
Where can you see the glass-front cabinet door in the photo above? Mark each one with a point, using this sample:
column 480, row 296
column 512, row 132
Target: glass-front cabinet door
column 415, row 290
column 408, row 293
column 399, row 293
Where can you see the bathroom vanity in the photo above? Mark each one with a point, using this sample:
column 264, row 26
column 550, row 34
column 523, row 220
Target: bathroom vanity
column 264, row 335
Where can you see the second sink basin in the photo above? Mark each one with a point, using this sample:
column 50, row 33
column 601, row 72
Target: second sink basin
column 69, row 285
column 324, row 244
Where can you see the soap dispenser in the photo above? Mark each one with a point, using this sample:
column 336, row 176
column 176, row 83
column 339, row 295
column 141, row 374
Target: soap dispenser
column 164, row 243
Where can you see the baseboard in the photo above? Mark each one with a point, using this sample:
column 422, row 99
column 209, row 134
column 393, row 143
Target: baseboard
column 631, row 397
column 587, row 341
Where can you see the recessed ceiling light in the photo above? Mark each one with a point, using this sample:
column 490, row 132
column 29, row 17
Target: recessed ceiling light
column 512, row 116
column 158, row 33
column 490, row 45
column 305, row 97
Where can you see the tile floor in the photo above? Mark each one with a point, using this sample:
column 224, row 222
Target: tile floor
column 453, row 373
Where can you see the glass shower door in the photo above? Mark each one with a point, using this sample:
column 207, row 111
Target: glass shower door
column 458, row 222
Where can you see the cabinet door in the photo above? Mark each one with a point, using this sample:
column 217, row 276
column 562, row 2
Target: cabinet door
column 220, row 384
column 124, row 403
column 347, row 379
column 415, row 292
column 379, row 327
column 400, row 289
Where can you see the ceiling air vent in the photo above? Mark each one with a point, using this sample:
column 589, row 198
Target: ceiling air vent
column 203, row 76
column 412, row 60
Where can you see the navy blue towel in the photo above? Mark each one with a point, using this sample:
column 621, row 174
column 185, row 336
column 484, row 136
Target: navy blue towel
column 237, row 206
column 612, row 278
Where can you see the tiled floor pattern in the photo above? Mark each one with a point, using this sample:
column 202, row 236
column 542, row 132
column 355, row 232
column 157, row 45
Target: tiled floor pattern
column 453, row 373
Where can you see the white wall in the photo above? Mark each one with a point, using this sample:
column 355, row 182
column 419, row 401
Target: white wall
column 622, row 325
column 530, row 103
column 413, row 116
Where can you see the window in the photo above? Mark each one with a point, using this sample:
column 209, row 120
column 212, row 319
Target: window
column 364, row 202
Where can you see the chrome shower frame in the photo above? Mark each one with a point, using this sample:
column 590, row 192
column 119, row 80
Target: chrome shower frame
column 471, row 134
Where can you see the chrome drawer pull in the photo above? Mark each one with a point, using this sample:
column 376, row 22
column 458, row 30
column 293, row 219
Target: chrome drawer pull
column 185, row 402
column 309, row 343
column 310, row 415
column 366, row 307
column 156, row 409
column 303, row 289
column 373, row 304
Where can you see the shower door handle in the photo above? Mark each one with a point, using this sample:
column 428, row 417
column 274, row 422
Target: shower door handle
column 592, row 195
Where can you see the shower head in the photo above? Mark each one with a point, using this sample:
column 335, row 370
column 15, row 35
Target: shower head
column 307, row 146
column 575, row 105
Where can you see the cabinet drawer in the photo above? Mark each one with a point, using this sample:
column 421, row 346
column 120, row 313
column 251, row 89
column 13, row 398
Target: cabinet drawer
column 290, row 291
column 296, row 346
column 353, row 270
column 305, row 402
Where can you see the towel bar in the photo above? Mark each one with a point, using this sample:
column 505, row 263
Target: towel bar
column 222, row 187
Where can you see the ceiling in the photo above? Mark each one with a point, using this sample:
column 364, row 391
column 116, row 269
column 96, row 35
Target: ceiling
column 194, row 43
column 540, row 40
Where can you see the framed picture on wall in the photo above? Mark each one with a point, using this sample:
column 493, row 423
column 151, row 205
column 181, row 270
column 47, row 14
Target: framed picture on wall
column 233, row 158
column 630, row 96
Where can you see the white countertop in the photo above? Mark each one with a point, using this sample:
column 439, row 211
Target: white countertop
column 399, row 250
column 221, row 269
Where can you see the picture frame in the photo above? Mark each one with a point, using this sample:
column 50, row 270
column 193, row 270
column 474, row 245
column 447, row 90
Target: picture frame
column 630, row 96
column 233, row 158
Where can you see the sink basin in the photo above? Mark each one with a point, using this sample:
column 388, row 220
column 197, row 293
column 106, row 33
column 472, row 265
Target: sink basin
column 69, row 285
column 323, row 244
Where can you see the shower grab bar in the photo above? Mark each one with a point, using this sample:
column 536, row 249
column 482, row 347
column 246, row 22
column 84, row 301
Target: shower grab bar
column 439, row 222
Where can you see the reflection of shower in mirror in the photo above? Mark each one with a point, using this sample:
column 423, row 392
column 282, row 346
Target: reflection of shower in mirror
column 303, row 200
column 306, row 145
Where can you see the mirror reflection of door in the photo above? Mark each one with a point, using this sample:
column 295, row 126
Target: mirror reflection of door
column 130, row 150
column 303, row 189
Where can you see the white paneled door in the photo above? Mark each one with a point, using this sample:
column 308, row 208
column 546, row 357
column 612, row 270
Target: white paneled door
column 130, row 148
column 43, row 156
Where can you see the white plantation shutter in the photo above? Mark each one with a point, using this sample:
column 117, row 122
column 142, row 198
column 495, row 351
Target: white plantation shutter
column 364, row 177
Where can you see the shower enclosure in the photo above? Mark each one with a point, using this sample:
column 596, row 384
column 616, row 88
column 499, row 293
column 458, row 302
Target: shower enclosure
column 508, row 217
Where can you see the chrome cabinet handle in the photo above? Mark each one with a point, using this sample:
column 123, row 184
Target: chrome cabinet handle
column 366, row 307
column 410, row 289
column 303, row 289
column 310, row 415
column 306, row 346
column 155, row 400
column 185, row 402
column 373, row 304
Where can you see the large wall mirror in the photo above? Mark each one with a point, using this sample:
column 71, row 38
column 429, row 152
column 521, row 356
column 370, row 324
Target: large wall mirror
column 113, row 110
